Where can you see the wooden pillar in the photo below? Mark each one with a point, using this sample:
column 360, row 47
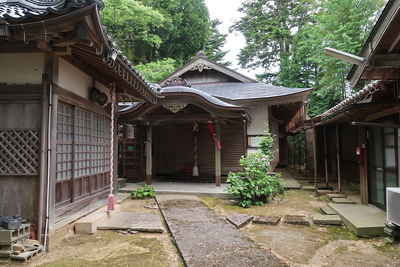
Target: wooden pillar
column 315, row 157
column 217, row 155
column 149, row 156
column 363, row 166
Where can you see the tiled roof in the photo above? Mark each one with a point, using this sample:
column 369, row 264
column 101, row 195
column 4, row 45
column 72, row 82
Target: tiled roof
column 20, row 9
column 207, row 96
column 244, row 91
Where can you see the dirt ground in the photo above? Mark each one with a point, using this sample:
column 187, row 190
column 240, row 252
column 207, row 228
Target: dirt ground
column 296, row 245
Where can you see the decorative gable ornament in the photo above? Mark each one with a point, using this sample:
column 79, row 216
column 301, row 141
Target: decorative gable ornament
column 175, row 108
column 200, row 67
column 176, row 81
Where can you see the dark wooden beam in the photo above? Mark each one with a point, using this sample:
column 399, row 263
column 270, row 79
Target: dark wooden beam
column 385, row 60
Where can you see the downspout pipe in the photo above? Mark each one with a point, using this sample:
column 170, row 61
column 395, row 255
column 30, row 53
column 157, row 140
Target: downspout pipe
column 43, row 147
column 48, row 166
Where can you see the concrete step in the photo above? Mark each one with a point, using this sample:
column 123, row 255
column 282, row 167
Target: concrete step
column 88, row 224
column 340, row 200
column 327, row 210
column 363, row 220
column 326, row 219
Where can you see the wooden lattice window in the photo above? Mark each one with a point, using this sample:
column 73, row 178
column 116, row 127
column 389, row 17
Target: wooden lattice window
column 83, row 152
column 19, row 152
column 64, row 142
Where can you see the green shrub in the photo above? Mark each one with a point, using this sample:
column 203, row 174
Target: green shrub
column 254, row 186
column 144, row 191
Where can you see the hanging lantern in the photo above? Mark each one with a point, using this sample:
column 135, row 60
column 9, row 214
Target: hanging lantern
column 129, row 131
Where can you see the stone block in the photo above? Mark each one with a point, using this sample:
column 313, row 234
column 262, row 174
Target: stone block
column 296, row 219
column 271, row 220
column 327, row 219
column 239, row 220
column 328, row 210
column 342, row 201
column 89, row 223
column 336, row 195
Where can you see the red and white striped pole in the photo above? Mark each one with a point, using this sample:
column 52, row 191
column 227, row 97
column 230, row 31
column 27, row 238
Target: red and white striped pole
column 111, row 201
column 195, row 171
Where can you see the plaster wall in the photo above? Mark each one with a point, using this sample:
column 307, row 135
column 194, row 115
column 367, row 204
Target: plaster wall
column 259, row 117
column 21, row 68
column 74, row 80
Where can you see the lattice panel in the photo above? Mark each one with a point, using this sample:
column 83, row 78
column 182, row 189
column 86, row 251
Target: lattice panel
column 19, row 152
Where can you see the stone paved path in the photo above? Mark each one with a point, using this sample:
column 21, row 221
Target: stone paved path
column 204, row 238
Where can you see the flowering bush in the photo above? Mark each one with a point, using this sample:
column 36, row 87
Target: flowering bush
column 254, row 185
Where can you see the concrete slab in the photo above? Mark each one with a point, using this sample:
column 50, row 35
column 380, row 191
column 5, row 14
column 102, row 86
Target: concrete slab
column 296, row 219
column 203, row 189
column 270, row 220
column 342, row 200
column 239, row 220
column 204, row 238
column 88, row 224
column 363, row 220
column 326, row 219
column 142, row 222
column 328, row 210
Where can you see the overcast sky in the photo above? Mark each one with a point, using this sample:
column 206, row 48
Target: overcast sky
column 226, row 12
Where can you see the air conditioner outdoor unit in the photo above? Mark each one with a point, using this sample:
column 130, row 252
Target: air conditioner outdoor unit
column 393, row 204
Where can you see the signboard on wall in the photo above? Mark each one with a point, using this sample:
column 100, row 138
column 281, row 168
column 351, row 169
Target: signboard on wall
column 254, row 140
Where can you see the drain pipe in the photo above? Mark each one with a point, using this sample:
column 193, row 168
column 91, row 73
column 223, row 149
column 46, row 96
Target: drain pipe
column 42, row 169
column 48, row 165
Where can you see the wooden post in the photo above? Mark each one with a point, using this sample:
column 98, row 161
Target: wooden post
column 149, row 156
column 315, row 157
column 363, row 166
column 217, row 155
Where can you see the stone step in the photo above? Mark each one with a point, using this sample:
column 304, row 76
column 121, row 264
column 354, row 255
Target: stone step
column 271, row 220
column 335, row 195
column 296, row 219
column 343, row 201
column 327, row 210
column 239, row 220
column 88, row 224
column 326, row 219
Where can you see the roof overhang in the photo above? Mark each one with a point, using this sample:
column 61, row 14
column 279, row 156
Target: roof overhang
column 78, row 37
column 382, row 48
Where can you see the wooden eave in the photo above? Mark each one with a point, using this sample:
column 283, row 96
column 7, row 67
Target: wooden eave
column 89, row 53
column 198, row 109
column 382, row 48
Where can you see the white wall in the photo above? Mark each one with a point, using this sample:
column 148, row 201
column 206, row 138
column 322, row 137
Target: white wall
column 259, row 117
column 21, row 68
column 74, row 80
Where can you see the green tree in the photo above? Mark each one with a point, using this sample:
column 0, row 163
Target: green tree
column 214, row 44
column 343, row 25
column 269, row 27
column 185, row 30
column 133, row 27
column 157, row 70
column 287, row 38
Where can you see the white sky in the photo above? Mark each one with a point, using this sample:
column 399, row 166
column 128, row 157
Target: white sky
column 226, row 12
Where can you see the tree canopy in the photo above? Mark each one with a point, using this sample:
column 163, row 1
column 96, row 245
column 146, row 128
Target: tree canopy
column 287, row 38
